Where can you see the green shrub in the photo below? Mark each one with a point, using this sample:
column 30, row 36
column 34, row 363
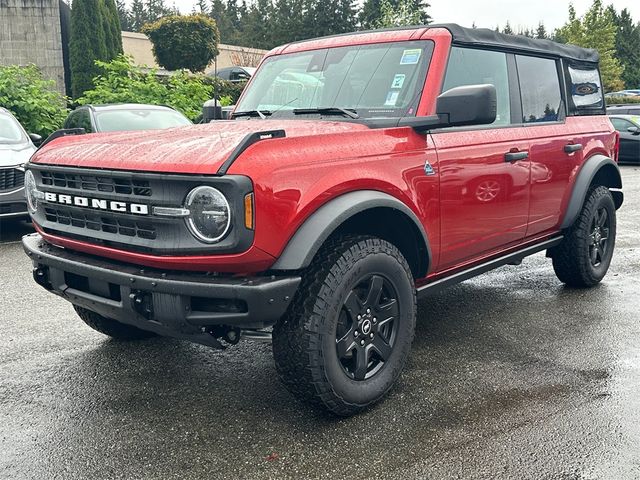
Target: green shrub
column 184, row 41
column 622, row 100
column 223, row 88
column 122, row 82
column 35, row 102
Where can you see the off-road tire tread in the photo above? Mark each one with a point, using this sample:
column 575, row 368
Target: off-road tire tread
column 296, row 338
column 571, row 257
column 112, row 328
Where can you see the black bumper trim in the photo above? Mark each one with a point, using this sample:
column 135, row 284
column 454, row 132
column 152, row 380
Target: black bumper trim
column 111, row 288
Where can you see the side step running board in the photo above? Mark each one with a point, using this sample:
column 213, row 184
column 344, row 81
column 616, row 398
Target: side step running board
column 511, row 258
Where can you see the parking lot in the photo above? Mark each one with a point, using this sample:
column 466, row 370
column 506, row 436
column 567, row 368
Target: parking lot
column 511, row 376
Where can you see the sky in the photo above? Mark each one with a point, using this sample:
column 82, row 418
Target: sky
column 489, row 13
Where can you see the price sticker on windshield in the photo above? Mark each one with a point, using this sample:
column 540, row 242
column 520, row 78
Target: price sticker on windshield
column 410, row 57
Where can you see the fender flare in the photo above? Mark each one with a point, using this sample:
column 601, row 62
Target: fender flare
column 315, row 230
column 587, row 173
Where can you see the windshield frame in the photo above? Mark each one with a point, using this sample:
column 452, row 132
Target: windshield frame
column 366, row 114
column 24, row 138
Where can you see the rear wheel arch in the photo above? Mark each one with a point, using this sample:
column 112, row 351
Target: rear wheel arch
column 363, row 212
column 596, row 170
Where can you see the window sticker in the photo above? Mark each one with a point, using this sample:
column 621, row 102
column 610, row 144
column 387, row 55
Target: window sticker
column 398, row 80
column 410, row 57
column 392, row 98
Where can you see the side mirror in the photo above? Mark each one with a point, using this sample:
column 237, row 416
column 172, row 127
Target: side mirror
column 35, row 138
column 634, row 130
column 457, row 107
column 468, row 105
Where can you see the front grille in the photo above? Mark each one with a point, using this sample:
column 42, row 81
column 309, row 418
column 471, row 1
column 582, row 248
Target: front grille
column 11, row 179
column 95, row 183
column 101, row 223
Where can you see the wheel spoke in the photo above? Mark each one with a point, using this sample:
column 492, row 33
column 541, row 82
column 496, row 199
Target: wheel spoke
column 375, row 290
column 362, row 364
column 345, row 344
column 382, row 347
column 594, row 254
column 603, row 218
column 387, row 312
column 353, row 305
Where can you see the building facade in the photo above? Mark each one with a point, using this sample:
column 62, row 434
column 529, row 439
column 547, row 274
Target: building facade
column 30, row 32
column 139, row 47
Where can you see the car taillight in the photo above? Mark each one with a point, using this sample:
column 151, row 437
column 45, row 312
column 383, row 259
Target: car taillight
column 616, row 149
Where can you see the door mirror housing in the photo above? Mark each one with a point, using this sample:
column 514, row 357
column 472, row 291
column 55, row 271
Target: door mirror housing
column 458, row 107
column 634, row 130
column 35, row 138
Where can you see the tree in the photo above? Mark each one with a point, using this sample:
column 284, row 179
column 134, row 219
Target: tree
column 403, row 13
column 596, row 29
column 112, row 29
column 180, row 42
column 93, row 37
column 124, row 15
column 370, row 14
column 541, row 32
column 507, row 29
column 628, row 48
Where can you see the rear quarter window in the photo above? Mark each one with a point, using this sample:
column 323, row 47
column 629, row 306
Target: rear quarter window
column 585, row 90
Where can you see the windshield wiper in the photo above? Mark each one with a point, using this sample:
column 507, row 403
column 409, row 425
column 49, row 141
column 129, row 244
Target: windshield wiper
column 253, row 113
column 327, row 111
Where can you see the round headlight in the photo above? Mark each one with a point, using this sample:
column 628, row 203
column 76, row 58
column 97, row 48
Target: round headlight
column 209, row 214
column 31, row 191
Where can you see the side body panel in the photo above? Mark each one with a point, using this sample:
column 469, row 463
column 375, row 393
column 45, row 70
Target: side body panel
column 484, row 199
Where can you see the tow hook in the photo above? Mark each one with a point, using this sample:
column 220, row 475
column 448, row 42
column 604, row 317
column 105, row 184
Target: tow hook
column 142, row 303
column 41, row 276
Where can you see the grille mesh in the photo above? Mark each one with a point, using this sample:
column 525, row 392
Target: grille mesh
column 95, row 183
column 11, row 178
column 109, row 224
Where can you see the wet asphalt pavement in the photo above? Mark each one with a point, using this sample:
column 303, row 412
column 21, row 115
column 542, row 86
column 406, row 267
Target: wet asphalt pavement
column 511, row 376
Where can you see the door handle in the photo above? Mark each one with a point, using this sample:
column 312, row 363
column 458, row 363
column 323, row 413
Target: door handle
column 573, row 147
column 515, row 156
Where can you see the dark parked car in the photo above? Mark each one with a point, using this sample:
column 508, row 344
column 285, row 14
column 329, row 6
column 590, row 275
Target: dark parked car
column 624, row 109
column 16, row 146
column 629, row 128
column 124, row 117
column 235, row 74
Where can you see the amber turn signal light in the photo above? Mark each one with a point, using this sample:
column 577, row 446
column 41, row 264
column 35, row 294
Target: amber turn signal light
column 248, row 211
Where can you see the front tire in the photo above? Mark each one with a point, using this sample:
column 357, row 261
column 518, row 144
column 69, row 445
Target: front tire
column 583, row 258
column 110, row 327
column 345, row 339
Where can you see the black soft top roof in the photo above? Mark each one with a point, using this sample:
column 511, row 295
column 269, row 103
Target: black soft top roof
column 490, row 38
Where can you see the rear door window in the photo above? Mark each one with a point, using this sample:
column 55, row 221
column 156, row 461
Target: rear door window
column 468, row 66
column 539, row 89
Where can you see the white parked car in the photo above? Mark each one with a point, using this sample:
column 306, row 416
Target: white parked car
column 16, row 147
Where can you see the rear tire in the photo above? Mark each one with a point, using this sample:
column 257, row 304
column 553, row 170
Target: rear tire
column 347, row 334
column 584, row 256
column 110, row 327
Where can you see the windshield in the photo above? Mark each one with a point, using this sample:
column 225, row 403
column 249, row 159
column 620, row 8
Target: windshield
column 379, row 80
column 10, row 130
column 139, row 119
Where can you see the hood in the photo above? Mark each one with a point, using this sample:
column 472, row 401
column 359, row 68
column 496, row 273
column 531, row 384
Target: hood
column 15, row 154
column 196, row 149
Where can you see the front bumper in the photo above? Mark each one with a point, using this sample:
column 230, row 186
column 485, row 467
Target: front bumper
column 13, row 204
column 181, row 305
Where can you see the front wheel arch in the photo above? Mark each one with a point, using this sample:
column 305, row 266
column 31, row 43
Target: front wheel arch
column 354, row 213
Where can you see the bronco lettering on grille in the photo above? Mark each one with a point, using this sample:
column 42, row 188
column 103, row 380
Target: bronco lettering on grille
column 97, row 203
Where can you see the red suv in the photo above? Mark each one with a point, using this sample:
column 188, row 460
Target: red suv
column 357, row 172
